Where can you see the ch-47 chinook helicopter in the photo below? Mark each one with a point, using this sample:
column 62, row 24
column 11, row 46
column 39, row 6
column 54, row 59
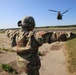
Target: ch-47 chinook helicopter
column 59, row 14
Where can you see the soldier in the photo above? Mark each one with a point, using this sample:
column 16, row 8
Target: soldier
column 26, row 43
column 27, row 57
column 27, row 47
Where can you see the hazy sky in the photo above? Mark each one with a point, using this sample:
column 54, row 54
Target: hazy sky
column 11, row 11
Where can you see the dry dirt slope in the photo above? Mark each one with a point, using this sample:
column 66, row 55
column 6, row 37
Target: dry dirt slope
column 53, row 62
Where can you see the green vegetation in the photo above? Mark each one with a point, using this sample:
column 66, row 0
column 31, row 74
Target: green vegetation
column 1, row 31
column 4, row 49
column 62, row 26
column 8, row 68
column 40, row 54
column 71, row 49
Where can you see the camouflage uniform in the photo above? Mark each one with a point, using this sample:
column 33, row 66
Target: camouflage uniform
column 27, row 50
column 64, row 36
column 26, row 42
column 27, row 47
column 27, row 57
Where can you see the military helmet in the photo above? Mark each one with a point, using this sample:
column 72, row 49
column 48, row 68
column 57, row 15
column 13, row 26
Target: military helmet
column 27, row 21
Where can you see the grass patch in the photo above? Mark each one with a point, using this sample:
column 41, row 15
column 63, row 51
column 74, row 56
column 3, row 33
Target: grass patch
column 8, row 68
column 40, row 54
column 4, row 49
column 71, row 49
column 2, row 31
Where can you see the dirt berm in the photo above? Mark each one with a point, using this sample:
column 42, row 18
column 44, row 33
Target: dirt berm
column 53, row 61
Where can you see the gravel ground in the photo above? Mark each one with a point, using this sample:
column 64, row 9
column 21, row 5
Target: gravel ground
column 52, row 63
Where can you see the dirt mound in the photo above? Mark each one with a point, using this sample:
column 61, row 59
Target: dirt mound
column 53, row 61
column 56, row 46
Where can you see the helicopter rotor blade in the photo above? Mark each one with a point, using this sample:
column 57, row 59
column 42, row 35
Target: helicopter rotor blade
column 53, row 10
column 65, row 11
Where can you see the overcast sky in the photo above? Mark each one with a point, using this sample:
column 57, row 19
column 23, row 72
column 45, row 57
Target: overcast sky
column 11, row 11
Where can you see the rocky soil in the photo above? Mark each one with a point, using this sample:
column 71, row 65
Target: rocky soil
column 53, row 61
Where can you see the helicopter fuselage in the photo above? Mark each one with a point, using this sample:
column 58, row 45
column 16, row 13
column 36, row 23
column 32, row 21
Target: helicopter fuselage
column 59, row 16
